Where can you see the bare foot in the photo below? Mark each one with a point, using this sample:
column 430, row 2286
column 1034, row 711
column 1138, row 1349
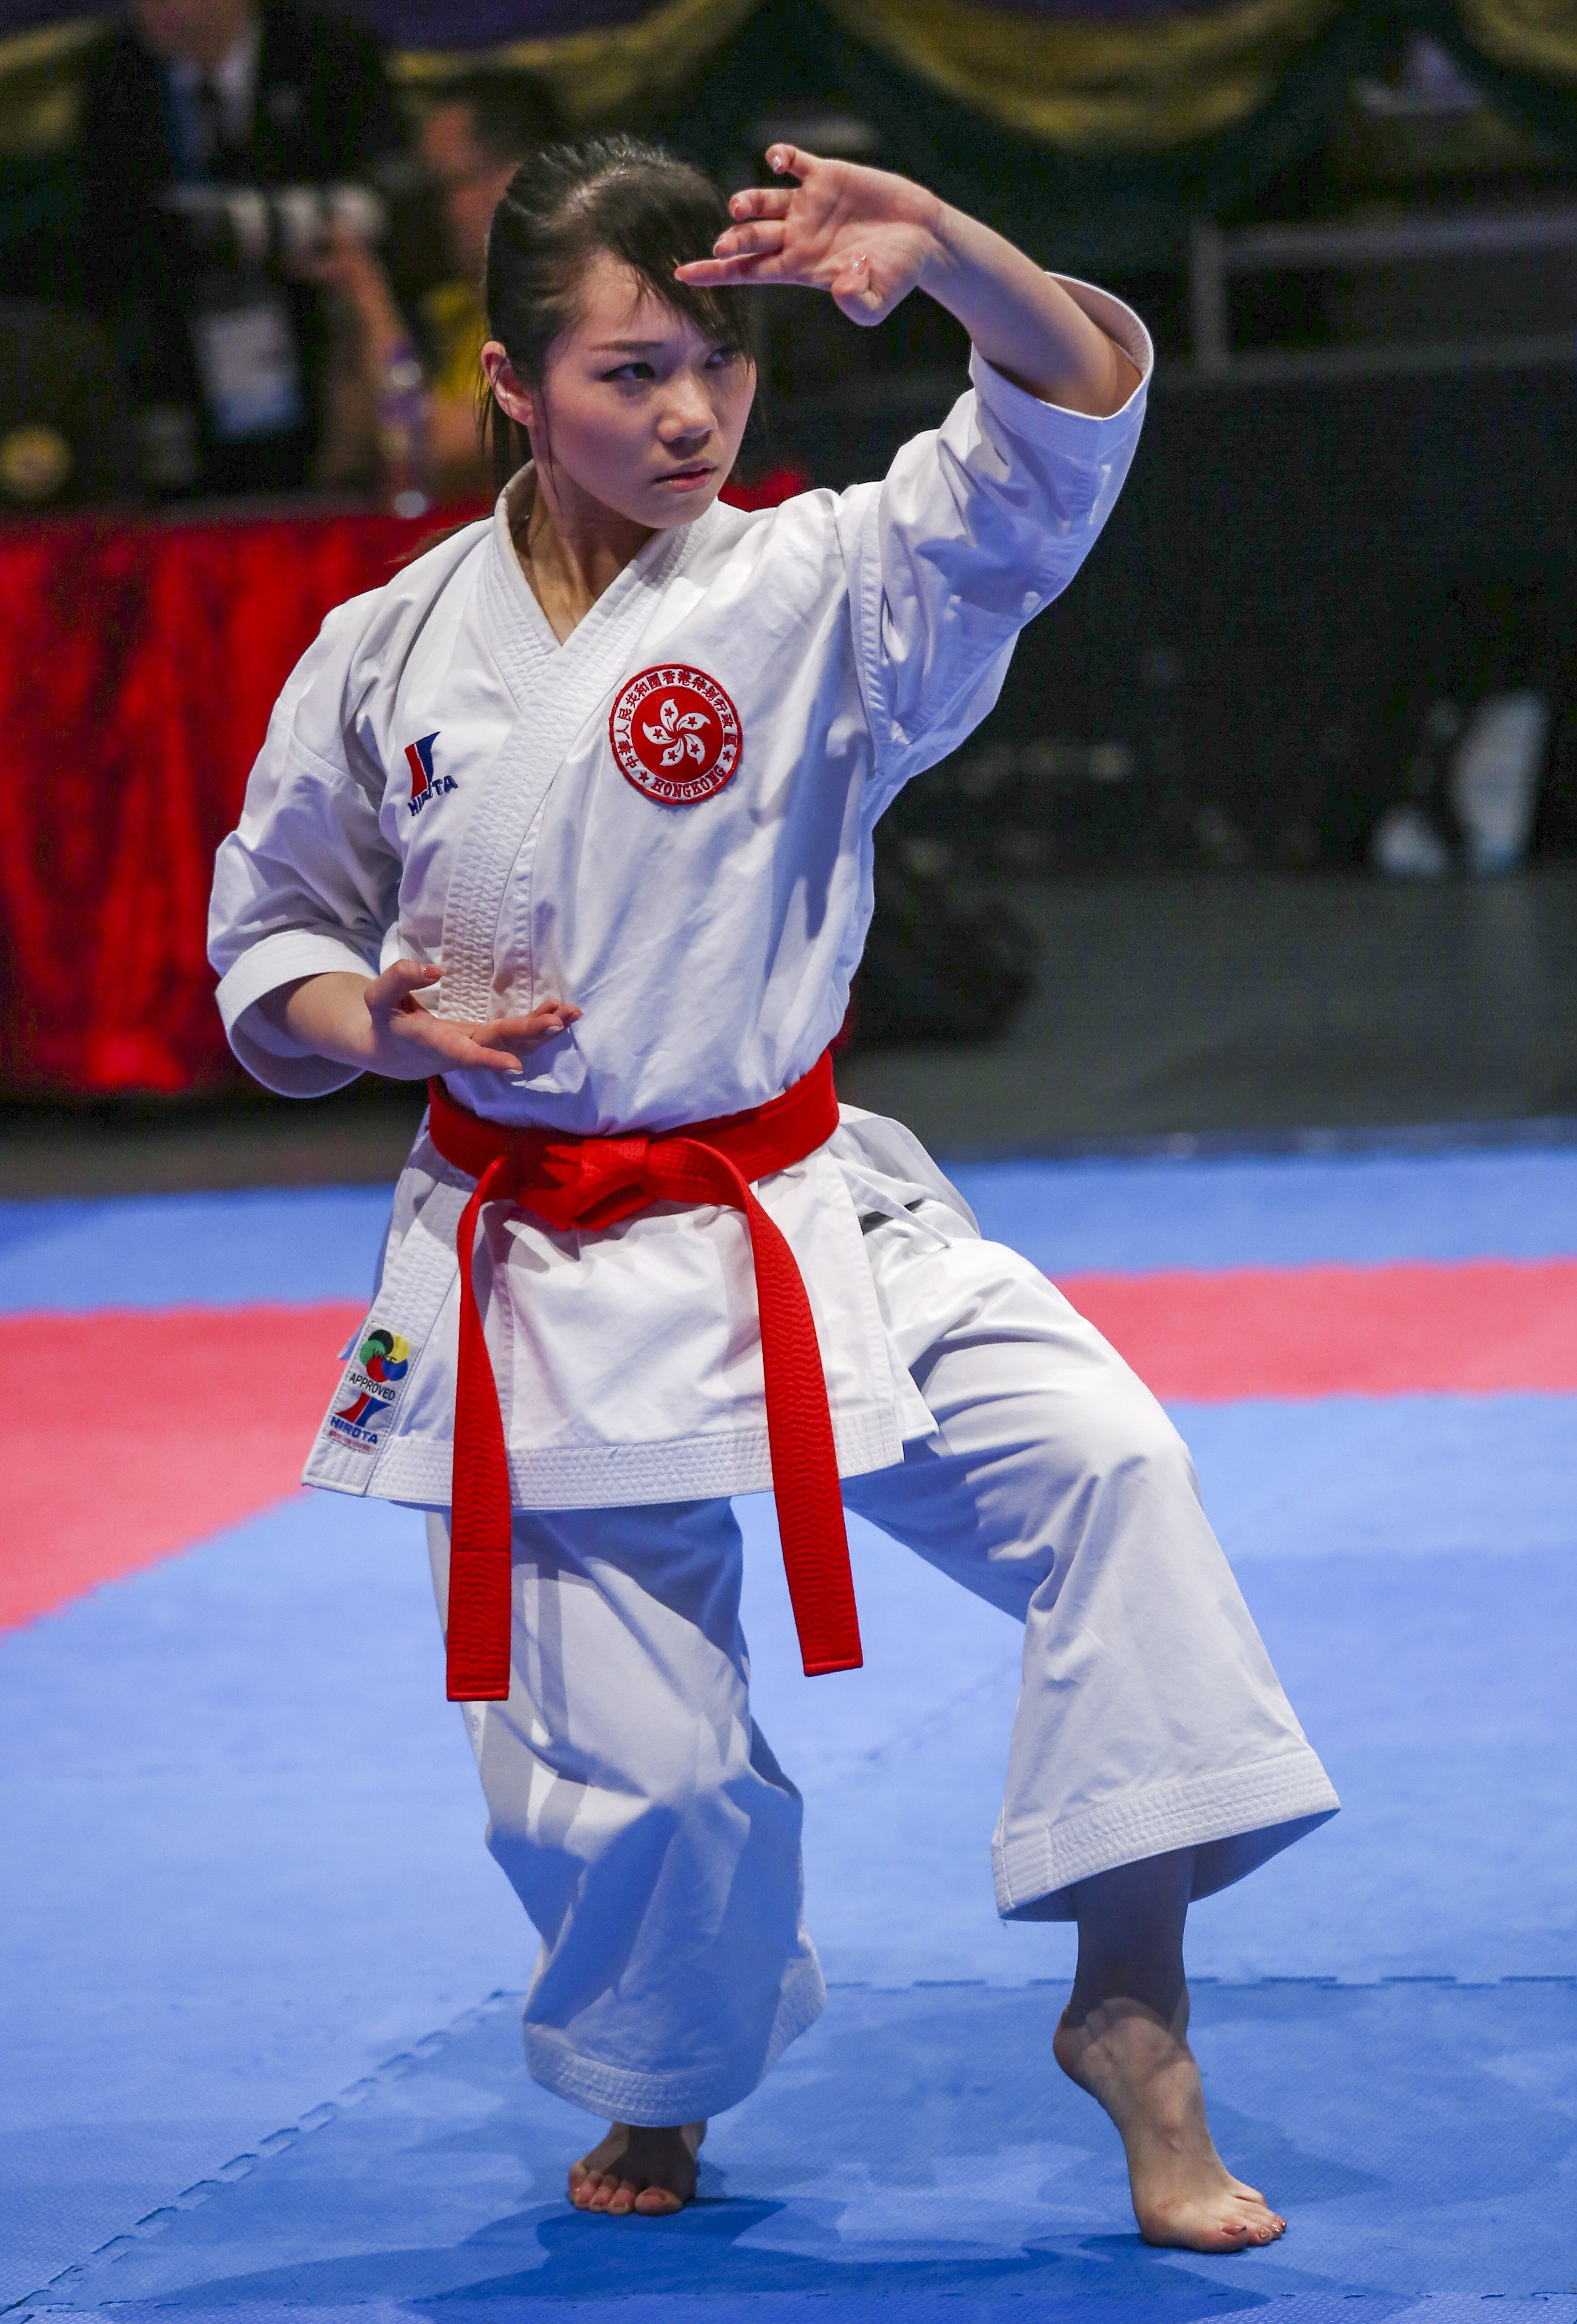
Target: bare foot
column 1142, row 2071
column 652, row 2172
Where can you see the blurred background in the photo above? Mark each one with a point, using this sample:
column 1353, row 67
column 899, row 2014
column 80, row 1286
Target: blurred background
column 1272, row 838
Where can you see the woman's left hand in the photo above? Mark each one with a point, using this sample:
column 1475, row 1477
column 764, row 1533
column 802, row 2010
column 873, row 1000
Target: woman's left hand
column 862, row 234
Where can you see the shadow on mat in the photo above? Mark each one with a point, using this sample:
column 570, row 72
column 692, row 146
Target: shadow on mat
column 911, row 2150
column 545, row 2253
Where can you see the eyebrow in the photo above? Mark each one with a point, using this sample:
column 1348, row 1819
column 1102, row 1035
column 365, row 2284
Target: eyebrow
column 626, row 346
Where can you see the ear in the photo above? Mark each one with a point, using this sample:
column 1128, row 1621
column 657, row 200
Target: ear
column 517, row 402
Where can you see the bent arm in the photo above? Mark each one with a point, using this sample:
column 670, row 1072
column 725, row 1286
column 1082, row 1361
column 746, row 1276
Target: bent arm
column 1022, row 320
column 869, row 238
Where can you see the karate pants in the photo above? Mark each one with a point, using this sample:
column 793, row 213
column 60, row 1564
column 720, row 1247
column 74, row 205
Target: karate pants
column 638, row 1810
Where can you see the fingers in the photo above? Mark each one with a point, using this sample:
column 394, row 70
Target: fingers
column 761, row 202
column 855, row 293
column 496, row 1061
column 709, row 273
column 402, row 977
column 754, row 238
column 792, row 161
column 501, row 1042
column 405, row 976
column 540, row 1024
column 496, row 1047
column 737, row 254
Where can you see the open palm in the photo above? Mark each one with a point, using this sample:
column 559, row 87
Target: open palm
column 862, row 235
column 407, row 1041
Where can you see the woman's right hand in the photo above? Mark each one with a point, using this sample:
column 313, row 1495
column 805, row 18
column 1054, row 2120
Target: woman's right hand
column 380, row 1025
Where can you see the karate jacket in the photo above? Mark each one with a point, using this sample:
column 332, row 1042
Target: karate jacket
column 668, row 821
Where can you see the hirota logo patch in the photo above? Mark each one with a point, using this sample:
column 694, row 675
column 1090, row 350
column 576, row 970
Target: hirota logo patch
column 675, row 735
column 425, row 784
column 370, row 1389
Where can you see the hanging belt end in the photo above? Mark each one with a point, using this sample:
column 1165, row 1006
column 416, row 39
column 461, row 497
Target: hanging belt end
column 461, row 1688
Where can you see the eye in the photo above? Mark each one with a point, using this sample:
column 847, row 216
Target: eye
column 637, row 369
column 724, row 355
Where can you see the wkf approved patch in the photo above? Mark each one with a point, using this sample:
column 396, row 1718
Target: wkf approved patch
column 371, row 1388
column 675, row 735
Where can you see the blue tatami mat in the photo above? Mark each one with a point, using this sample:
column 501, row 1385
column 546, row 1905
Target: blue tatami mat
column 242, row 1830
column 1293, row 1210
column 191, row 1251
column 919, row 2143
column 1126, row 1217
column 242, row 1862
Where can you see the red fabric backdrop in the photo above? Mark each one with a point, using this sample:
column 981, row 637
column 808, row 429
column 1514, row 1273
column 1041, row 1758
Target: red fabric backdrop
column 139, row 662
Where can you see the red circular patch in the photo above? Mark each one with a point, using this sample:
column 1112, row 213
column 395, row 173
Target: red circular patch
column 675, row 735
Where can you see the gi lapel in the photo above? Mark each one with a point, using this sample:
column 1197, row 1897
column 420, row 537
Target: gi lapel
column 557, row 688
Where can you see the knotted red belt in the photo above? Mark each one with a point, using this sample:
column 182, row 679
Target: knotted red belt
column 594, row 1182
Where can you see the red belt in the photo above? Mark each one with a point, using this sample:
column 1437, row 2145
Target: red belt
column 594, row 1182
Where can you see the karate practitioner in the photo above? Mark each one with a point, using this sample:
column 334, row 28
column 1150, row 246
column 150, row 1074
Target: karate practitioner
column 575, row 817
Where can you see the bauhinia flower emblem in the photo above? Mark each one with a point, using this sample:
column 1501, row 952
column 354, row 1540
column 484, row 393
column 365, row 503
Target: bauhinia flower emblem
column 675, row 735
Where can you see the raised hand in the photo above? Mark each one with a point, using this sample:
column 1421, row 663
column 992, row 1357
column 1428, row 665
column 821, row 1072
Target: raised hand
column 381, row 1026
column 870, row 238
column 862, row 234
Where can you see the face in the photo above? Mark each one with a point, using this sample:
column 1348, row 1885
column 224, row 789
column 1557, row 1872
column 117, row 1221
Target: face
column 191, row 32
column 640, row 414
column 472, row 182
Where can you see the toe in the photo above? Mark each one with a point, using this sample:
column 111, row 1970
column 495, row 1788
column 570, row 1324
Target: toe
column 656, row 2202
column 623, row 2200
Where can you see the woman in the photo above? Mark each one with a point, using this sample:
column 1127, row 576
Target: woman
column 574, row 815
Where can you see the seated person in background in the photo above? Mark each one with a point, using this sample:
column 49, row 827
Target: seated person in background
column 470, row 142
column 222, row 349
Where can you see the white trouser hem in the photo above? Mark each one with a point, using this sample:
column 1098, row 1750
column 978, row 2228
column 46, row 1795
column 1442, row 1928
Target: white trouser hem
column 1264, row 1808
column 622, row 2094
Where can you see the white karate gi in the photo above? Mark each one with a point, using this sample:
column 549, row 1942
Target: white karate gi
column 443, row 780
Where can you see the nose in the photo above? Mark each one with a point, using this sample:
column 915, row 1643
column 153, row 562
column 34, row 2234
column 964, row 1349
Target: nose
column 687, row 410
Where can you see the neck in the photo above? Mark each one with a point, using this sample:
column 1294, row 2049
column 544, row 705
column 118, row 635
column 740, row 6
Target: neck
column 571, row 547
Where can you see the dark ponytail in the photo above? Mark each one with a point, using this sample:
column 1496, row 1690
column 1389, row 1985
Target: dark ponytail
column 566, row 203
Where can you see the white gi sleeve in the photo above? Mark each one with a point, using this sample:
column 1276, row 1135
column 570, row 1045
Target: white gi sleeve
column 979, row 524
column 306, row 881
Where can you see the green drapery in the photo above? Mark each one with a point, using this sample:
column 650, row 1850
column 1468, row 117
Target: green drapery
column 1104, row 212
column 1154, row 84
column 1115, row 88
column 1097, row 141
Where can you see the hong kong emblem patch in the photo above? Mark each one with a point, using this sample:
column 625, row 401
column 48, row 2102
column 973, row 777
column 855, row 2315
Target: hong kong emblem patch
column 675, row 735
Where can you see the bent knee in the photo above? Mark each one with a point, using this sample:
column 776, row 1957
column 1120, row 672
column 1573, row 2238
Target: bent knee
column 1127, row 1442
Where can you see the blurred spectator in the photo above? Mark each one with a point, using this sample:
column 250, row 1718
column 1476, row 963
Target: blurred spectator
column 400, row 383
column 221, row 338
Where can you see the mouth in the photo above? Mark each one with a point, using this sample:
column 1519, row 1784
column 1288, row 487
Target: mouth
column 688, row 479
